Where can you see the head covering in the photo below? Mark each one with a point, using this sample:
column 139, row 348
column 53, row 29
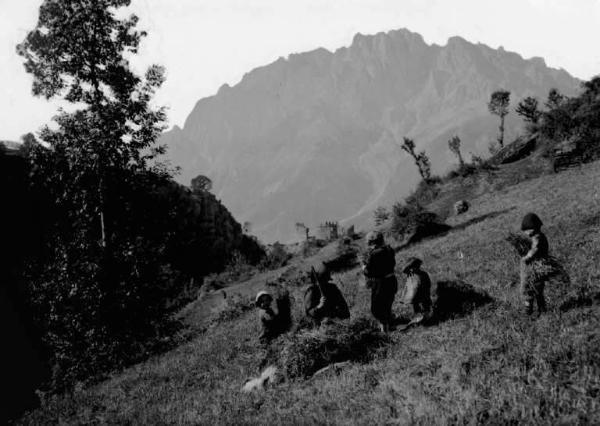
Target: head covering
column 322, row 273
column 262, row 293
column 411, row 263
column 374, row 238
column 531, row 221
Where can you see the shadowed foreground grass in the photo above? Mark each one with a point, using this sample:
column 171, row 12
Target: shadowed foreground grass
column 492, row 366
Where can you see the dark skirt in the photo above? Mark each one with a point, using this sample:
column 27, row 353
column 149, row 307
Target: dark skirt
column 383, row 292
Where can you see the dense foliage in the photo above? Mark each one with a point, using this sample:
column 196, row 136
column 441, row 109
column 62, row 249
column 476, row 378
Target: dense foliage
column 577, row 117
column 119, row 244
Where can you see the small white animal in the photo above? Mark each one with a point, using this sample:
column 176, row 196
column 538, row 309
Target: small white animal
column 259, row 383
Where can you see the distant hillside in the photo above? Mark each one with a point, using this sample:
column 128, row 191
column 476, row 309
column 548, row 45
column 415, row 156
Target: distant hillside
column 314, row 137
column 9, row 145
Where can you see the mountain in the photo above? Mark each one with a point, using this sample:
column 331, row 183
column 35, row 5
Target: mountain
column 314, row 137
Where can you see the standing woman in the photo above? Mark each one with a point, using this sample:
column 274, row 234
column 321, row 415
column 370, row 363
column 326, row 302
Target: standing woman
column 378, row 267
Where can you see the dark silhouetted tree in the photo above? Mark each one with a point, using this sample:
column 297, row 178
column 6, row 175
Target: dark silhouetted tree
column 498, row 105
column 421, row 159
column 454, row 145
column 79, row 51
column 201, row 184
column 555, row 99
column 29, row 145
column 100, row 288
column 528, row 108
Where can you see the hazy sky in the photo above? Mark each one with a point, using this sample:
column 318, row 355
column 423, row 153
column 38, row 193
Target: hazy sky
column 205, row 43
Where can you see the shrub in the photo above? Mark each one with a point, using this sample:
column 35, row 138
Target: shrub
column 414, row 221
column 311, row 246
column 381, row 215
column 235, row 307
column 277, row 257
column 346, row 256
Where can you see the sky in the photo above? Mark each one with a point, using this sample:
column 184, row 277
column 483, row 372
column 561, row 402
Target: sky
column 206, row 43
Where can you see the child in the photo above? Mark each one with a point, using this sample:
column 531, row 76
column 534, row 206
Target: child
column 272, row 323
column 418, row 287
column 536, row 265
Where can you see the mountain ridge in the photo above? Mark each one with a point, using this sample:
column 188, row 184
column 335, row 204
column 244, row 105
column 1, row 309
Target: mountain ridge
column 313, row 137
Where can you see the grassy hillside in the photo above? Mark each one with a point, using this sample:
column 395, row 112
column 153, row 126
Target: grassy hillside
column 493, row 366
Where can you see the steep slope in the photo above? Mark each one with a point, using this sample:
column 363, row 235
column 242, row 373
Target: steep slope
column 494, row 366
column 314, row 137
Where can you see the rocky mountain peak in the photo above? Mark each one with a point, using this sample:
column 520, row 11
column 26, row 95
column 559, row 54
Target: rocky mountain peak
column 313, row 137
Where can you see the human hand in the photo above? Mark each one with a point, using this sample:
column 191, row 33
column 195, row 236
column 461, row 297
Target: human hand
column 322, row 302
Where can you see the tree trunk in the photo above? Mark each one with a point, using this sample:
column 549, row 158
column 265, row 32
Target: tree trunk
column 102, row 224
column 501, row 135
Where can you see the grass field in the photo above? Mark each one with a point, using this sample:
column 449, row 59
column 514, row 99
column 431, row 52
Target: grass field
column 494, row 366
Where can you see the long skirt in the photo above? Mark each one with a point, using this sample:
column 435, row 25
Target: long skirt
column 383, row 292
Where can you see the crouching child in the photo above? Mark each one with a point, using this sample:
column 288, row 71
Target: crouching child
column 417, row 292
column 273, row 322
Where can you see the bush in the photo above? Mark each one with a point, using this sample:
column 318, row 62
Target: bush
column 424, row 193
column 413, row 221
column 346, row 256
column 381, row 215
column 238, row 269
column 312, row 246
column 234, row 308
column 277, row 257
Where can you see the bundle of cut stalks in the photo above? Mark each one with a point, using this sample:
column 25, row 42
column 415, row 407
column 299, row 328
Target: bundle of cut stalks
column 309, row 351
column 520, row 243
column 540, row 269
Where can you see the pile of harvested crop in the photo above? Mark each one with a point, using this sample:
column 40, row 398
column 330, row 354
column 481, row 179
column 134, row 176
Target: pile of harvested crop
column 308, row 351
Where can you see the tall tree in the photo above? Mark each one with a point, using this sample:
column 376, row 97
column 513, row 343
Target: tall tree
column 454, row 145
column 78, row 51
column 101, row 286
column 528, row 108
column 498, row 105
column 421, row 159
